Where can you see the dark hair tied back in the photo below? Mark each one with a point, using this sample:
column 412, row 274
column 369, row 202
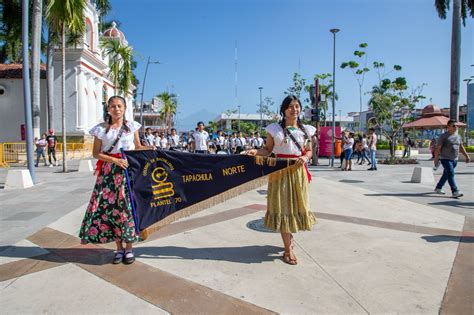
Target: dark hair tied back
column 109, row 117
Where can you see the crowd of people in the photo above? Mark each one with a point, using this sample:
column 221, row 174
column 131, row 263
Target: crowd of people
column 200, row 141
column 364, row 146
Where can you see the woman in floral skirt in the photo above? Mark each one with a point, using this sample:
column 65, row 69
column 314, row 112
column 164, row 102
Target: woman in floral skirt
column 288, row 208
column 109, row 215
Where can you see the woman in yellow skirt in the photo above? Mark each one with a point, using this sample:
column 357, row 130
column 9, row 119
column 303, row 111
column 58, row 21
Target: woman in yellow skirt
column 288, row 208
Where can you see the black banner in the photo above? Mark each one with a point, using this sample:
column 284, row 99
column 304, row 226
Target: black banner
column 165, row 182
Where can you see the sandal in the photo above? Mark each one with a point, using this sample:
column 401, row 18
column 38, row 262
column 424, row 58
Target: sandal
column 287, row 259
column 129, row 257
column 118, row 258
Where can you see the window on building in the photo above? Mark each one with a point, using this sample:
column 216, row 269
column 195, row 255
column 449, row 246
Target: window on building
column 88, row 35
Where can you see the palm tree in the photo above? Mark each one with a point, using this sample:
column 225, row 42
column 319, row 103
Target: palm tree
column 65, row 16
column 52, row 42
column 170, row 104
column 35, row 64
column 120, row 63
column 10, row 31
column 460, row 8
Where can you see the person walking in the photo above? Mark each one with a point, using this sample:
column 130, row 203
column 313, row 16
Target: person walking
column 52, row 142
column 365, row 149
column 447, row 152
column 109, row 217
column 40, row 149
column 433, row 147
column 288, row 208
column 372, row 143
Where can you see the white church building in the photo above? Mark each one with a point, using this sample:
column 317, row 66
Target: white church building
column 87, row 87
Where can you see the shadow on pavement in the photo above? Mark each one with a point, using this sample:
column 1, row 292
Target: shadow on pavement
column 88, row 256
column 244, row 254
column 432, row 194
column 102, row 256
column 454, row 203
column 448, row 238
column 351, row 181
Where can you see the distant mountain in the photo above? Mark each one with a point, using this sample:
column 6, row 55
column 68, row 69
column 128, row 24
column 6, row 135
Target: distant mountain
column 189, row 122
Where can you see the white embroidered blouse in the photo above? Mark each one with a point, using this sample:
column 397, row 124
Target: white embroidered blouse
column 125, row 142
column 288, row 147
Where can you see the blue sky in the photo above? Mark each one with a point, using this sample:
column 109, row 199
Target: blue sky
column 195, row 40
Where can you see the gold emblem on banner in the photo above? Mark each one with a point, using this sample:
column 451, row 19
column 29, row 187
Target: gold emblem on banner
column 162, row 189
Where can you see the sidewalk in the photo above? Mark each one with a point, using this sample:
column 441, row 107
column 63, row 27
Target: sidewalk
column 380, row 246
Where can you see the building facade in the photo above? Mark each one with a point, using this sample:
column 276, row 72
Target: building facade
column 88, row 87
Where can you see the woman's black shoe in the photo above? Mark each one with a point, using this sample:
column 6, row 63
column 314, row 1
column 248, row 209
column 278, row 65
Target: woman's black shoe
column 129, row 257
column 118, row 258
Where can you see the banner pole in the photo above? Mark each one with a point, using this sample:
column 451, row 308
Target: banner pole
column 127, row 177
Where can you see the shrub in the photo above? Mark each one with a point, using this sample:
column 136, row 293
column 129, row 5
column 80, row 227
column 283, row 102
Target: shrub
column 395, row 160
column 387, row 147
column 469, row 148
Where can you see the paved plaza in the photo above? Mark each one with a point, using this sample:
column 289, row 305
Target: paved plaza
column 381, row 245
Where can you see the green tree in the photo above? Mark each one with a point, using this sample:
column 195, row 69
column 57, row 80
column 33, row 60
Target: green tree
column 245, row 126
column 65, row 16
column 359, row 69
column 10, row 31
column 299, row 85
column 393, row 104
column 212, row 126
column 460, row 9
column 120, row 63
column 170, row 104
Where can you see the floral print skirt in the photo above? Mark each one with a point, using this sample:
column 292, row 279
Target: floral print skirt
column 109, row 214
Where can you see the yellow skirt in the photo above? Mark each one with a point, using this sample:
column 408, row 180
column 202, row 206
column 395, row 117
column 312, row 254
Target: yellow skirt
column 288, row 208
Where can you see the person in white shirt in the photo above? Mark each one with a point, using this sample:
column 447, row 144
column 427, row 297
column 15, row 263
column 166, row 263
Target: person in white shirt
column 163, row 141
column 233, row 143
column 40, row 149
column 220, row 141
column 251, row 141
column 257, row 141
column 157, row 140
column 288, row 209
column 174, row 142
column 240, row 143
column 348, row 149
column 109, row 217
column 201, row 139
column 149, row 137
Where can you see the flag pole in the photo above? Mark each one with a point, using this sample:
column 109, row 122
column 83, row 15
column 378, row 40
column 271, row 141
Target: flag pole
column 127, row 177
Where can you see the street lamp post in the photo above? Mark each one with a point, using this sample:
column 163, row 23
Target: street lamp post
column 333, row 31
column 261, row 120
column 467, row 107
column 26, row 93
column 238, row 121
column 143, row 88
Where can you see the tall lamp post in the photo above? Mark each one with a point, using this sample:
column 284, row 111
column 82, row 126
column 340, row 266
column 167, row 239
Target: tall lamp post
column 27, row 92
column 467, row 107
column 143, row 88
column 261, row 119
column 333, row 31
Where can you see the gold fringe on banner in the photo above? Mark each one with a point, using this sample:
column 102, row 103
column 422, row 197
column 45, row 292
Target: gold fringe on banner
column 226, row 195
